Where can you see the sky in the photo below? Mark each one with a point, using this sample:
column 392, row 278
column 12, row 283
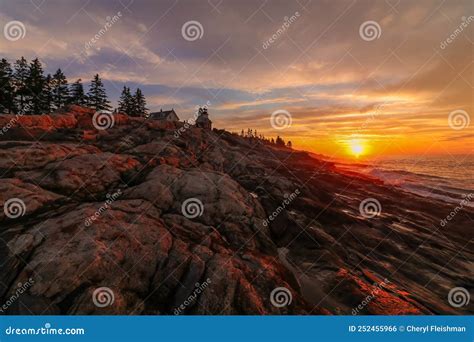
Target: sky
column 351, row 79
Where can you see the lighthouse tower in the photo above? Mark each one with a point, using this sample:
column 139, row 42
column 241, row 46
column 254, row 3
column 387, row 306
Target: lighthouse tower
column 203, row 119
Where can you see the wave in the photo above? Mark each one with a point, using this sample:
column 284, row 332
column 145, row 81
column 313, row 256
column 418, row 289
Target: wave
column 421, row 184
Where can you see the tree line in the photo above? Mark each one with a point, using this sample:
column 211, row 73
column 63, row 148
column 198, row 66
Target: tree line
column 253, row 134
column 133, row 105
column 24, row 89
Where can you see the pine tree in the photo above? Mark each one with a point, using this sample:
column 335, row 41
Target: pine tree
column 7, row 94
column 35, row 83
column 60, row 90
column 77, row 95
column 280, row 141
column 48, row 94
column 20, row 77
column 132, row 111
column 140, row 103
column 97, row 95
column 125, row 102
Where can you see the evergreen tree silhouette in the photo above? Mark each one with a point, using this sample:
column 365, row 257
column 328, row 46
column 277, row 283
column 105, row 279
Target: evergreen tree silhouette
column 7, row 92
column 125, row 102
column 47, row 97
column 35, row 84
column 60, row 89
column 77, row 95
column 97, row 95
column 279, row 141
column 140, row 103
column 20, row 77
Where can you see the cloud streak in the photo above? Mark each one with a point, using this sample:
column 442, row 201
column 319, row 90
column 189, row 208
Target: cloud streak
column 319, row 69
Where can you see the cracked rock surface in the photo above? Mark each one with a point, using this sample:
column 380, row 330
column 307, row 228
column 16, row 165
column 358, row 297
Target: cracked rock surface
column 105, row 209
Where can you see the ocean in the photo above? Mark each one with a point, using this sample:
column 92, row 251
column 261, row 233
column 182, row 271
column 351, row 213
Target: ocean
column 447, row 178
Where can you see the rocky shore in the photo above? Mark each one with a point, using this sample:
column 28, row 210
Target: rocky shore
column 107, row 209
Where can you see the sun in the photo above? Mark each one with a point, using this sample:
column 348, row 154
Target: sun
column 356, row 147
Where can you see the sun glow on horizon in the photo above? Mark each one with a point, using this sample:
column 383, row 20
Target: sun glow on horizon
column 357, row 147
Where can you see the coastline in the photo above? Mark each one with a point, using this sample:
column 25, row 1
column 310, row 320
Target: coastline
column 333, row 243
